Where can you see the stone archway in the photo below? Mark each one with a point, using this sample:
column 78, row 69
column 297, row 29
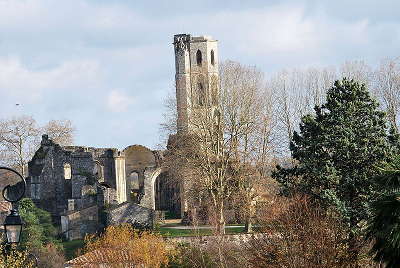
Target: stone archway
column 167, row 194
column 140, row 167
column 150, row 176
column 133, row 186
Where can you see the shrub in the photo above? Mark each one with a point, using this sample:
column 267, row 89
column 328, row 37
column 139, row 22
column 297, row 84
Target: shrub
column 123, row 245
column 298, row 234
column 50, row 256
column 189, row 256
column 12, row 257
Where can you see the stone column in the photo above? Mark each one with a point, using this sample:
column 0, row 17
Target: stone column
column 120, row 178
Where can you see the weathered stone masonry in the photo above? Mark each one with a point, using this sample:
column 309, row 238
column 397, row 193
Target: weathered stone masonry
column 83, row 187
column 86, row 188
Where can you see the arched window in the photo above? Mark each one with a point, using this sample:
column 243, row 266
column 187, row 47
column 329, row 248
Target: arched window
column 134, row 180
column 212, row 57
column 133, row 187
column 67, row 171
column 199, row 57
column 202, row 94
column 98, row 171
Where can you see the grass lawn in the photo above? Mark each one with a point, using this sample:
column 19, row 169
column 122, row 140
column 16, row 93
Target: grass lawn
column 70, row 248
column 171, row 232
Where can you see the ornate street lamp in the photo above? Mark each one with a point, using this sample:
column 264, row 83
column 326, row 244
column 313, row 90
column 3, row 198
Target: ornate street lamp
column 13, row 227
column 13, row 192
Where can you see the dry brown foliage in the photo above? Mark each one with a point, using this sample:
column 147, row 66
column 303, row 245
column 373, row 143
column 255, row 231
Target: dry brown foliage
column 298, row 234
column 15, row 258
column 50, row 257
column 123, row 246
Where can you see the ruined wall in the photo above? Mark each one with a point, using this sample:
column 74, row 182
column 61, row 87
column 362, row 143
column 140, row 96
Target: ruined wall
column 46, row 184
column 103, row 156
column 62, row 178
column 138, row 160
column 75, row 225
column 148, row 199
column 138, row 216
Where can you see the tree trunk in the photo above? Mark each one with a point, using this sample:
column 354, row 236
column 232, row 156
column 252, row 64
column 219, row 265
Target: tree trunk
column 221, row 219
column 248, row 227
column 249, row 213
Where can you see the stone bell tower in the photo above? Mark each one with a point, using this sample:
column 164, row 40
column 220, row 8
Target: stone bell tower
column 197, row 78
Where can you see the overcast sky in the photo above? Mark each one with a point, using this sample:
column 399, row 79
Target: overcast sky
column 107, row 65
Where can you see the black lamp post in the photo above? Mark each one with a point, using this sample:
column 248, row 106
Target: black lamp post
column 13, row 193
column 13, row 227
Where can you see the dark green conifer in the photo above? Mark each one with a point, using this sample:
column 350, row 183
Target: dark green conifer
column 337, row 152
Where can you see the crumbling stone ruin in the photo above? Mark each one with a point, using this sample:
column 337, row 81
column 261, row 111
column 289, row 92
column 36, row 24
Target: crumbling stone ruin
column 86, row 189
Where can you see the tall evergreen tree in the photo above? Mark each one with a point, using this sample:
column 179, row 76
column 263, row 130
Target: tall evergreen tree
column 337, row 153
column 384, row 225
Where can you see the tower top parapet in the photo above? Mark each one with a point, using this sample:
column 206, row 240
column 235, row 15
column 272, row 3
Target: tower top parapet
column 202, row 38
column 190, row 38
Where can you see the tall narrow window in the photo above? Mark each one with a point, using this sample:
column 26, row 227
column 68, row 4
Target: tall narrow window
column 212, row 57
column 35, row 187
column 133, row 187
column 67, row 171
column 199, row 57
column 133, row 180
column 98, row 171
column 71, row 204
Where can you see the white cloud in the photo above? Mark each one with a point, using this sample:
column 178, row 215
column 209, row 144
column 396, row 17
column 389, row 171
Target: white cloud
column 64, row 56
column 274, row 29
column 29, row 85
column 118, row 101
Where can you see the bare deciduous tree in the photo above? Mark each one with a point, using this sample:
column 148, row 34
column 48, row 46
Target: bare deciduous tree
column 289, row 105
column 60, row 131
column 357, row 70
column 247, row 108
column 229, row 141
column 168, row 126
column 295, row 93
column 387, row 88
column 20, row 138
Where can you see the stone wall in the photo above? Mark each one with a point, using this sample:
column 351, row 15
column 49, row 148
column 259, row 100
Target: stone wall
column 66, row 181
column 59, row 174
column 46, row 185
column 75, row 225
column 143, row 165
column 140, row 217
column 150, row 176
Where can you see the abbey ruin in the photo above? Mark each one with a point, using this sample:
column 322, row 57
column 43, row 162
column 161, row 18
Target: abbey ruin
column 87, row 188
